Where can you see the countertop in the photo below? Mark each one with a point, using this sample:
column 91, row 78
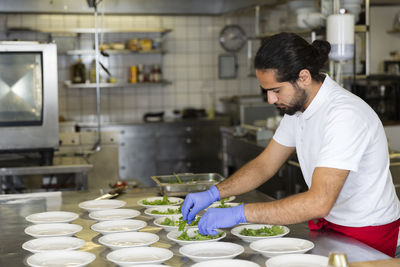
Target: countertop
column 12, row 225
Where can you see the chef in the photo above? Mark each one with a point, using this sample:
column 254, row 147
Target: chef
column 341, row 146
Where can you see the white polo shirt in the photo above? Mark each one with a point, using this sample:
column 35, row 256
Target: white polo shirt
column 339, row 130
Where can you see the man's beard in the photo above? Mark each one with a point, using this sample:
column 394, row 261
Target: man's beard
column 297, row 103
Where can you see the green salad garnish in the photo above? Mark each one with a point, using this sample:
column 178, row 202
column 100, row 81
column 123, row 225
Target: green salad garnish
column 185, row 237
column 170, row 222
column 167, row 212
column 164, row 201
column 265, row 231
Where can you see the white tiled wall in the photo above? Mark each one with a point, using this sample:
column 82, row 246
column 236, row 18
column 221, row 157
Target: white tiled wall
column 191, row 64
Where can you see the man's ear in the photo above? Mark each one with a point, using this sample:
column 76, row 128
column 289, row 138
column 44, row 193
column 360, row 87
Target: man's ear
column 305, row 78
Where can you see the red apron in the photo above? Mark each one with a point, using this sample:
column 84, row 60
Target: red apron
column 381, row 237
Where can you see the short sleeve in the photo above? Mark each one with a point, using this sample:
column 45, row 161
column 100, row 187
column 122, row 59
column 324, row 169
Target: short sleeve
column 285, row 134
column 344, row 142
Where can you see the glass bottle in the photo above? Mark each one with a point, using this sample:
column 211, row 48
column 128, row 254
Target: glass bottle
column 92, row 72
column 78, row 72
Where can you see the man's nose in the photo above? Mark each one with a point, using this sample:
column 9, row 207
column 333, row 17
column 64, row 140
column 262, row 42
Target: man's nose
column 272, row 98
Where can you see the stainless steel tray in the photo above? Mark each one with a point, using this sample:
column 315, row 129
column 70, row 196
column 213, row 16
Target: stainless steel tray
column 190, row 182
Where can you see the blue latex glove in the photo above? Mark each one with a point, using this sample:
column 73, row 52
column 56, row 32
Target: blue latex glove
column 221, row 218
column 196, row 202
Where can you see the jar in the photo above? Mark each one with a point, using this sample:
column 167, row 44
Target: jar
column 140, row 73
column 133, row 74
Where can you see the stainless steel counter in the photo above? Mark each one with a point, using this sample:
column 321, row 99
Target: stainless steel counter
column 12, row 225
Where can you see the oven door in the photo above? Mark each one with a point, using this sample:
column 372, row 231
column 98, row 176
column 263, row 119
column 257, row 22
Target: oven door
column 21, row 89
column 28, row 96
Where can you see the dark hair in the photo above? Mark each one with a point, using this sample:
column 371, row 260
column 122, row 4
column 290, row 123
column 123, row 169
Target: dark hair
column 288, row 53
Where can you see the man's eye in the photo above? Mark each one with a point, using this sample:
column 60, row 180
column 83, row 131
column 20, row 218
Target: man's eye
column 276, row 91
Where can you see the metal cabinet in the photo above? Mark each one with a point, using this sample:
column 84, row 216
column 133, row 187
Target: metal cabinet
column 162, row 148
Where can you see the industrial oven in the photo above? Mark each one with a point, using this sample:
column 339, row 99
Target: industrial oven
column 28, row 98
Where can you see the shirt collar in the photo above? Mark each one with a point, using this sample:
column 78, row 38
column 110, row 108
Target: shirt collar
column 319, row 98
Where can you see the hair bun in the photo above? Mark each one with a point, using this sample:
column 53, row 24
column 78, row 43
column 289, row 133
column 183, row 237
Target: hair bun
column 322, row 48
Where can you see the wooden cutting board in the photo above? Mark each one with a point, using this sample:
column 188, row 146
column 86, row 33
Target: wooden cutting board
column 381, row 263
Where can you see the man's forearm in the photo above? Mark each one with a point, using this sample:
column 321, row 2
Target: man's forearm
column 247, row 178
column 294, row 209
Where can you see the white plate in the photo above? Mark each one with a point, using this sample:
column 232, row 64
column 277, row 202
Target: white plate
column 46, row 244
column 279, row 246
column 161, row 209
column 140, row 255
column 168, row 228
column 211, row 251
column 52, row 229
column 52, row 217
column 101, row 204
column 236, row 231
column 226, row 263
column 128, row 240
column 191, row 232
column 114, row 214
column 297, row 260
column 118, row 226
column 175, row 201
column 228, row 199
column 61, row 258
column 230, row 204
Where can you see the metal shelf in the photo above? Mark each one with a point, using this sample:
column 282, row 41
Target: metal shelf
column 69, row 84
column 92, row 30
column 115, row 52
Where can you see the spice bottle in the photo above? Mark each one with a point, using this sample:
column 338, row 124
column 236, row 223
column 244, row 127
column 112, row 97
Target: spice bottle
column 78, row 73
column 133, row 74
column 140, row 73
column 92, row 72
column 156, row 75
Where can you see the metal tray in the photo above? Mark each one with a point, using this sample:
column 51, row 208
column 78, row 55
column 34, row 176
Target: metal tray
column 190, row 182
